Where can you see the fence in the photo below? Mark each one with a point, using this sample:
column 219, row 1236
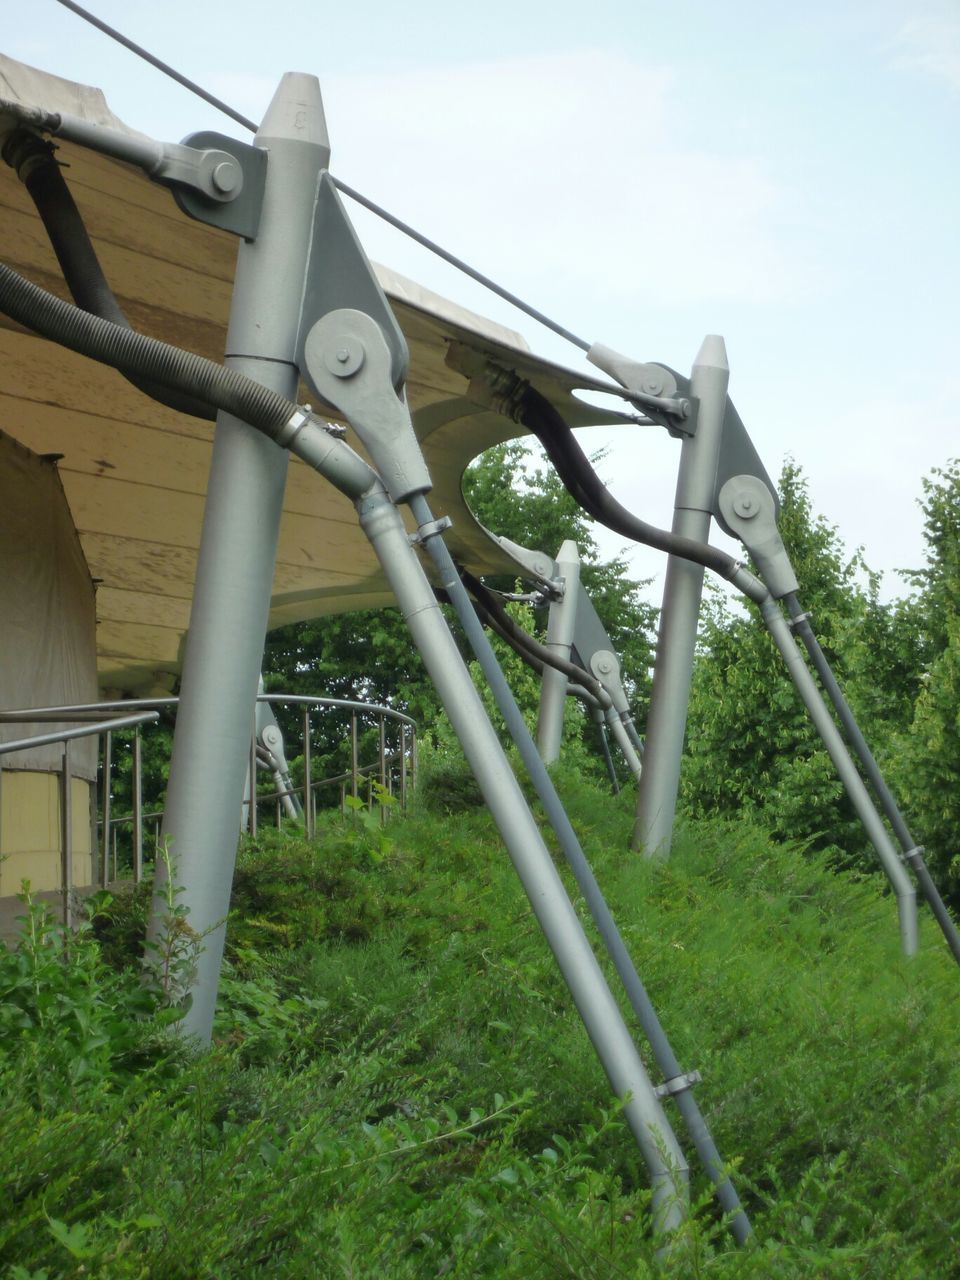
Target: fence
column 118, row 838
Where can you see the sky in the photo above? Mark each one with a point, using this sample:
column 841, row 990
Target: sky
column 645, row 172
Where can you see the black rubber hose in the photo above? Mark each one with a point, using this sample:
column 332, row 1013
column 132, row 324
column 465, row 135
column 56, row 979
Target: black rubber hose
column 134, row 353
column 572, row 465
column 34, row 161
column 515, row 636
column 574, row 689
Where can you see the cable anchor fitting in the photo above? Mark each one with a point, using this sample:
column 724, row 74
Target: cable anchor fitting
column 679, row 1084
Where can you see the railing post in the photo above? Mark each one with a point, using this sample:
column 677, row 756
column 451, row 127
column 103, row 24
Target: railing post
column 105, row 811
column 382, row 744
column 354, row 756
column 403, row 765
column 308, row 817
column 252, row 772
column 66, row 837
column 137, row 808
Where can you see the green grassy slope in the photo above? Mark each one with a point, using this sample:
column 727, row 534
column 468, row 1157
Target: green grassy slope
column 400, row 1087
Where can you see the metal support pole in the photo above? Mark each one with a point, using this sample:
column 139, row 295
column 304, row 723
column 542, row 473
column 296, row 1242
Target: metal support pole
column 625, row 743
column 833, row 741
column 251, row 788
column 354, row 758
column 66, row 837
column 597, row 716
column 382, row 746
column 912, row 852
column 667, row 721
column 105, row 810
column 586, row 881
column 628, row 1077
column 308, row 814
column 560, row 627
column 238, row 544
column 137, row 808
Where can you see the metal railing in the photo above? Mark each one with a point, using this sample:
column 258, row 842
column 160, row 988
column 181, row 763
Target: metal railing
column 66, row 736
column 391, row 773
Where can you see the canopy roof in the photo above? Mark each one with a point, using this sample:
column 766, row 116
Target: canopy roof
column 135, row 472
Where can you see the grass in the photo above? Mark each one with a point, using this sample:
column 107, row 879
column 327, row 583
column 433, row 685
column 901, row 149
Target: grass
column 399, row 1086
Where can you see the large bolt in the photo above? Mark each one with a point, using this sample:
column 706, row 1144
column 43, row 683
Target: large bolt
column 345, row 358
column 745, row 507
column 226, row 177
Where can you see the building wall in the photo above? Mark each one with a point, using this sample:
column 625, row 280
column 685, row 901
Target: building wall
column 47, row 658
column 30, row 835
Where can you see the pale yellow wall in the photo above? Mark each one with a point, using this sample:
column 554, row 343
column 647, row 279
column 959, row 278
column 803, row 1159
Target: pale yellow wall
column 30, row 831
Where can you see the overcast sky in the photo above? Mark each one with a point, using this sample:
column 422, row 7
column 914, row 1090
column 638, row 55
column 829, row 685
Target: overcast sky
column 646, row 172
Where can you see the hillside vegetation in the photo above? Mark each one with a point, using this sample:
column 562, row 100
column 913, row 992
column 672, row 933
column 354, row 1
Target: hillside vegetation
column 400, row 1087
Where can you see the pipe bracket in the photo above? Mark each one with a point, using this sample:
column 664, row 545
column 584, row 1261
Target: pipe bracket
column 678, row 1084
column 430, row 530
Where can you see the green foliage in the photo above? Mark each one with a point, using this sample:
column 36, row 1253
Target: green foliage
column 369, row 655
column 399, row 1086
column 67, row 1021
column 750, row 744
column 171, row 951
column 156, row 742
column 927, row 756
column 516, row 494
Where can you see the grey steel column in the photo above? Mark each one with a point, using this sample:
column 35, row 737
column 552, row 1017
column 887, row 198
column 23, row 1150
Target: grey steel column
column 667, row 721
column 238, row 547
column 560, row 628
column 846, row 771
column 384, row 527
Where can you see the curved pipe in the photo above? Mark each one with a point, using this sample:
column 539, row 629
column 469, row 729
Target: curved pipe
column 521, row 641
column 528, row 407
column 134, row 353
column 34, row 162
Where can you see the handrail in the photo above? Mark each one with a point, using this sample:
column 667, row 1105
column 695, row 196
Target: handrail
column 87, row 731
column 94, row 720
column 37, row 714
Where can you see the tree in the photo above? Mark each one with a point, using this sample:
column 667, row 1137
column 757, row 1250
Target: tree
column 928, row 757
column 536, row 511
column 368, row 655
column 750, row 745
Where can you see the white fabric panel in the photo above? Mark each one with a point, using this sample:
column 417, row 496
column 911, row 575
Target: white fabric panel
column 48, row 654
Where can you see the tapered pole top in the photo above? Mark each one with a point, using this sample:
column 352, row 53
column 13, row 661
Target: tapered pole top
column 295, row 113
column 712, row 354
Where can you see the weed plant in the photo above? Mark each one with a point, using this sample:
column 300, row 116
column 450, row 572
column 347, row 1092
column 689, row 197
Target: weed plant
column 399, row 1087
